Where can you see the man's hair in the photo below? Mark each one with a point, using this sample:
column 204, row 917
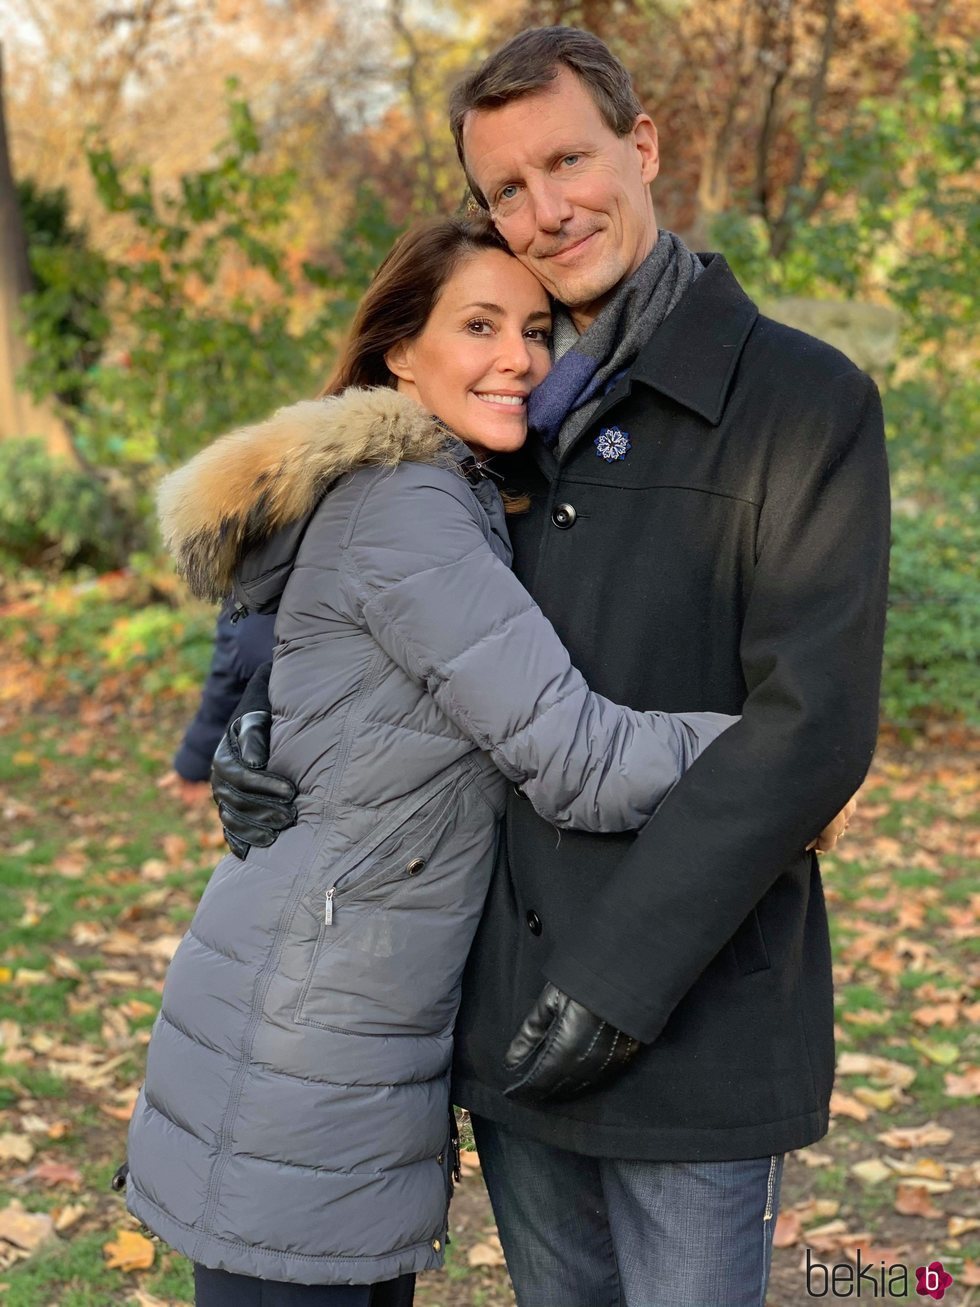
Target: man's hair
column 529, row 62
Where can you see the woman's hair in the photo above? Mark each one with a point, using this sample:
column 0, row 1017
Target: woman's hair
column 403, row 294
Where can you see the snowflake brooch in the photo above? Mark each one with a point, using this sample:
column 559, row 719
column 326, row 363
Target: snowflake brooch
column 611, row 443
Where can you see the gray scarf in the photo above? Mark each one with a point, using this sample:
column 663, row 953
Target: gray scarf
column 590, row 364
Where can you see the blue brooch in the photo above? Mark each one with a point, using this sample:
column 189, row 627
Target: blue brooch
column 612, row 443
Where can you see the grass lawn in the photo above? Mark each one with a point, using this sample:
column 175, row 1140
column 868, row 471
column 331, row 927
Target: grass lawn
column 99, row 874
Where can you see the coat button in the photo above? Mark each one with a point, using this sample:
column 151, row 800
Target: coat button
column 533, row 922
column 564, row 516
column 415, row 866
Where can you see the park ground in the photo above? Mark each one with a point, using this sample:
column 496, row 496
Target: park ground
column 100, row 871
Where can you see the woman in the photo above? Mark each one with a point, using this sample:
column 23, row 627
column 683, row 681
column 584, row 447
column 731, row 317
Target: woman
column 295, row 1127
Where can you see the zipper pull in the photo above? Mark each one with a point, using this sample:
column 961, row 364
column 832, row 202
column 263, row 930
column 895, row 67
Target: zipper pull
column 328, row 906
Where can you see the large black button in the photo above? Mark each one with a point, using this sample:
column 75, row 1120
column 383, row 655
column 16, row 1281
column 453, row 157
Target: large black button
column 533, row 922
column 519, row 792
column 564, row 516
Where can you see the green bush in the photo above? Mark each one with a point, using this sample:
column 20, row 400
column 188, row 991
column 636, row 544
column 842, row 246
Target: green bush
column 934, row 614
column 52, row 516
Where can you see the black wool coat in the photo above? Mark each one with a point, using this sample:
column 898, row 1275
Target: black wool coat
column 735, row 560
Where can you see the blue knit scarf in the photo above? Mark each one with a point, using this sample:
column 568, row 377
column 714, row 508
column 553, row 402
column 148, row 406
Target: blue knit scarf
column 590, row 364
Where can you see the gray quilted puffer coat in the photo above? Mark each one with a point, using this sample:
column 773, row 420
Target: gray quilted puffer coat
column 294, row 1123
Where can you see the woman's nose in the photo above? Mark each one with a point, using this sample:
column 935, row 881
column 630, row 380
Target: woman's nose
column 514, row 356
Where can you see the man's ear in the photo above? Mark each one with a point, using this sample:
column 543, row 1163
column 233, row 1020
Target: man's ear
column 648, row 147
column 399, row 361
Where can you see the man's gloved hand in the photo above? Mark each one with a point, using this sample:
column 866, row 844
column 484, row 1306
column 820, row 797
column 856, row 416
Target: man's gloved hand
column 254, row 805
column 563, row 1050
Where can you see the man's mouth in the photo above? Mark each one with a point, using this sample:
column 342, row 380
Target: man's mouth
column 567, row 251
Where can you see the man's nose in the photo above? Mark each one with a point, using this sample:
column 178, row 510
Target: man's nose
column 551, row 206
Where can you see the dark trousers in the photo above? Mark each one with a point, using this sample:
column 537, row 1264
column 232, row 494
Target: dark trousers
column 222, row 1289
column 601, row 1232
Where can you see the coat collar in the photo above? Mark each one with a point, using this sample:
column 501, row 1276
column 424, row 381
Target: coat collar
column 693, row 356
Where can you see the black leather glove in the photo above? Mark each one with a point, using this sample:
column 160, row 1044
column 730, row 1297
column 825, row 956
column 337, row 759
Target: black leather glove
column 254, row 805
column 563, row 1050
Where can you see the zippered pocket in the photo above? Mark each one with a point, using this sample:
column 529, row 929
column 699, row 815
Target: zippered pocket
column 397, row 846
column 395, row 926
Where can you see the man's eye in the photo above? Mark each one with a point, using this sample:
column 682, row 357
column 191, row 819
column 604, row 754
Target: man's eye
column 507, row 192
column 571, row 158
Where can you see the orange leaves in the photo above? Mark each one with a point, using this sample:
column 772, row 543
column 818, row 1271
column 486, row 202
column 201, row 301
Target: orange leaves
column 129, row 1251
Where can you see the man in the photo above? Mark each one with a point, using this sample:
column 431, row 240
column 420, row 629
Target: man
column 709, row 529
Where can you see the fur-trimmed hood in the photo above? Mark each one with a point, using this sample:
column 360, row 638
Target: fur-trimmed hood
column 250, row 484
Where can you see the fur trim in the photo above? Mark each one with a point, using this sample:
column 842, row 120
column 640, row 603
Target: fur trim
column 246, row 485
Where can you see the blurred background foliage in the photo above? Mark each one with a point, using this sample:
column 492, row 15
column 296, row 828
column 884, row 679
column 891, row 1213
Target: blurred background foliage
column 206, row 186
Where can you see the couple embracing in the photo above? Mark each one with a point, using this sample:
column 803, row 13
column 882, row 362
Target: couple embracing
column 579, row 566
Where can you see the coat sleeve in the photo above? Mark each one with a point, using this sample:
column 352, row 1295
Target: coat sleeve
column 238, row 651
column 441, row 604
column 810, row 648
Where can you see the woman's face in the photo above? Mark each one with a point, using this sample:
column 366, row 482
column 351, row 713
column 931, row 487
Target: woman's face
column 481, row 353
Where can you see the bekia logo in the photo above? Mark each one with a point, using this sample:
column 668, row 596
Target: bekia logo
column 873, row 1280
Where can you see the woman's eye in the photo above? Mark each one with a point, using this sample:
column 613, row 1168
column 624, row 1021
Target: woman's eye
column 540, row 334
column 479, row 326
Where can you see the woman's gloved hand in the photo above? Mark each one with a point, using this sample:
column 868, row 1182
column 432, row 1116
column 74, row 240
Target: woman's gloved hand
column 254, row 804
column 563, row 1050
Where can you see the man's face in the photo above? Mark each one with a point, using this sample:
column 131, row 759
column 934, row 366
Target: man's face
column 569, row 196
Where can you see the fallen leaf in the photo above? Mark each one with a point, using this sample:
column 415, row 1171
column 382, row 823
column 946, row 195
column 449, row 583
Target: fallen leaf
column 883, row 1100
column 789, row 1227
column 52, row 1172
column 844, row 1105
column 966, row 1085
column 915, row 1200
column 129, row 1251
column 883, row 1070
column 489, row 1253
column 469, row 1160
column 866, row 1016
column 941, row 1054
column 25, row 1230
column 922, row 1168
column 962, row 1225
column 67, row 1216
column 937, row 1014
column 15, row 1148
column 871, row 1171
column 969, row 1275
column 813, row 1157
column 930, row 1135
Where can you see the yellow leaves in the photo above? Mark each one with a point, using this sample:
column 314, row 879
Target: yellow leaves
column 882, row 1100
column 957, row 1226
column 873, row 1171
column 129, row 1251
column 941, row 1054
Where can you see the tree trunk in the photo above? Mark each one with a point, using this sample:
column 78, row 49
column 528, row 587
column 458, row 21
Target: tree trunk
column 20, row 415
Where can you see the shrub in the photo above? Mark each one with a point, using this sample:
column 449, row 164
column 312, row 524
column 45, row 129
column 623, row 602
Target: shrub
column 53, row 516
column 934, row 615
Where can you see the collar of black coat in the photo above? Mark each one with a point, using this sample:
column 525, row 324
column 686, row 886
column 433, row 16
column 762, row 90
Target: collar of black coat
column 693, row 355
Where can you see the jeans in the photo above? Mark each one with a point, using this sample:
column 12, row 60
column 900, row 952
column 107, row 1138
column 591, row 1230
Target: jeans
column 223, row 1289
column 583, row 1231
